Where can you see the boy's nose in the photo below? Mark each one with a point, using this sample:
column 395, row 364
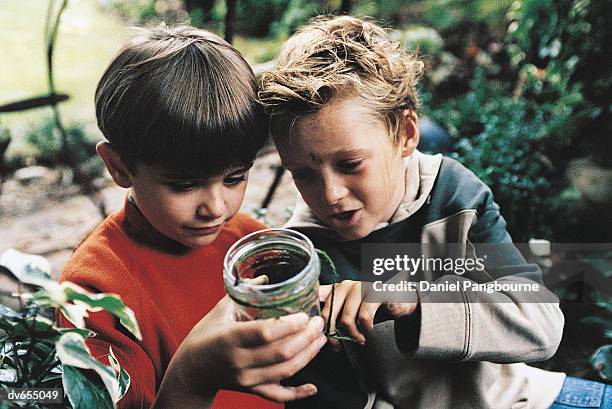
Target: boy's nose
column 212, row 205
column 333, row 190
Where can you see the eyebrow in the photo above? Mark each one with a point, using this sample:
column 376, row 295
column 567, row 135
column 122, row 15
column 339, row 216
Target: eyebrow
column 351, row 152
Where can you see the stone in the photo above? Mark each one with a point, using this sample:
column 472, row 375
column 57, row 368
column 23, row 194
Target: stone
column 30, row 173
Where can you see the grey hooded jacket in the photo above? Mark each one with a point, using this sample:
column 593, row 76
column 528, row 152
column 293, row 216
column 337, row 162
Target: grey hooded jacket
column 464, row 353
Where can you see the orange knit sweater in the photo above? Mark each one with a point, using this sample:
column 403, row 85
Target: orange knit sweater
column 170, row 288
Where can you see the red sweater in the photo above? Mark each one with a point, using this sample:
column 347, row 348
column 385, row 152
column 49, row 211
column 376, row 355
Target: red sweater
column 170, row 288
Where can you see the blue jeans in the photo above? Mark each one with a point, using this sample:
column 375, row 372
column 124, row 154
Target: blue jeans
column 580, row 393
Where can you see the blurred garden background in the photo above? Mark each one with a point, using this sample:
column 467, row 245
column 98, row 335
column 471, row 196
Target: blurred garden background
column 518, row 91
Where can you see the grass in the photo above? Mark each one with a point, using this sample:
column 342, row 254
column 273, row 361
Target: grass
column 258, row 50
column 87, row 40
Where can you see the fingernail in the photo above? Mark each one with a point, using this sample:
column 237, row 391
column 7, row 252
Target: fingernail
column 311, row 389
column 322, row 340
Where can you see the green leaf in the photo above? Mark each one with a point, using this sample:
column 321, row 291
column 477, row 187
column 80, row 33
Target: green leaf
column 71, row 350
column 52, row 380
column 43, row 350
column 6, row 312
column 34, row 327
column 600, row 264
column 602, row 361
column 75, row 313
column 85, row 392
column 28, row 268
column 109, row 302
column 122, row 376
column 83, row 332
column 6, row 324
column 8, row 375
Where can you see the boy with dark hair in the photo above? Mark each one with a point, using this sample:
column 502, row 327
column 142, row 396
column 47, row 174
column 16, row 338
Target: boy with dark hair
column 178, row 108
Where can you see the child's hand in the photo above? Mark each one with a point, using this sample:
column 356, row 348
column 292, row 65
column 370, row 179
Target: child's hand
column 354, row 315
column 253, row 356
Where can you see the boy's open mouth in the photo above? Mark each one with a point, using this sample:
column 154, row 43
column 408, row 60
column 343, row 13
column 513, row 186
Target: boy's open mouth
column 344, row 215
column 345, row 219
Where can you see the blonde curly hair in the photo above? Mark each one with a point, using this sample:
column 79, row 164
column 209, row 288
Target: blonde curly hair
column 340, row 56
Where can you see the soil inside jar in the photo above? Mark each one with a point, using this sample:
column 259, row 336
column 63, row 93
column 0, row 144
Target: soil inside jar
column 278, row 264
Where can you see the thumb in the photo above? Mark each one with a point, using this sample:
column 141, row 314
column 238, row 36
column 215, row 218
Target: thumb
column 398, row 310
column 224, row 309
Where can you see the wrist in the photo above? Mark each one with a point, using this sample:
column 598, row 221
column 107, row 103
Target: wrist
column 178, row 389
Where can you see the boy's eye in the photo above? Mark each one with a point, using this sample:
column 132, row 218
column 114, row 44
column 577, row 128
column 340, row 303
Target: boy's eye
column 234, row 179
column 300, row 174
column 350, row 165
column 182, row 186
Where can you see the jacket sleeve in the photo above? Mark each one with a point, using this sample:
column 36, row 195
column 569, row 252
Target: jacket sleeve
column 502, row 325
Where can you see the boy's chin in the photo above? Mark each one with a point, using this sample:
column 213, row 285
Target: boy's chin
column 354, row 233
column 196, row 242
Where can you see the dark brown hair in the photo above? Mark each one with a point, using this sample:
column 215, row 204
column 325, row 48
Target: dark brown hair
column 180, row 98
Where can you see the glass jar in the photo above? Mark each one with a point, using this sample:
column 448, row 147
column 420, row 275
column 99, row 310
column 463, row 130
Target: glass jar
column 272, row 272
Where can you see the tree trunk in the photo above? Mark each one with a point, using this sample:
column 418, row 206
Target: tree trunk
column 346, row 6
column 229, row 20
column 204, row 5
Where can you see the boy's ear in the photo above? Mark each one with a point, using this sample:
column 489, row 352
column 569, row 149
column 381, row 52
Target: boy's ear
column 409, row 132
column 117, row 169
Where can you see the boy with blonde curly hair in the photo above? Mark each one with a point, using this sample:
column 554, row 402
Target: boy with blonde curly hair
column 343, row 108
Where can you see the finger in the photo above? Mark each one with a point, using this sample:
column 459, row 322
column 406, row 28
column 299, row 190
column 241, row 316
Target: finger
column 328, row 301
column 222, row 313
column 282, row 350
column 350, row 310
column 279, row 393
column 335, row 344
column 333, row 305
column 367, row 312
column 260, row 332
column 324, row 292
column 261, row 280
column 277, row 372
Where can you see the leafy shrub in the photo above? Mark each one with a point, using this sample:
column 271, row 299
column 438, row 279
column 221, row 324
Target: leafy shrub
column 505, row 141
column 255, row 17
column 37, row 354
column 297, row 13
column 424, row 39
column 566, row 39
column 47, row 141
column 449, row 13
column 576, row 276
